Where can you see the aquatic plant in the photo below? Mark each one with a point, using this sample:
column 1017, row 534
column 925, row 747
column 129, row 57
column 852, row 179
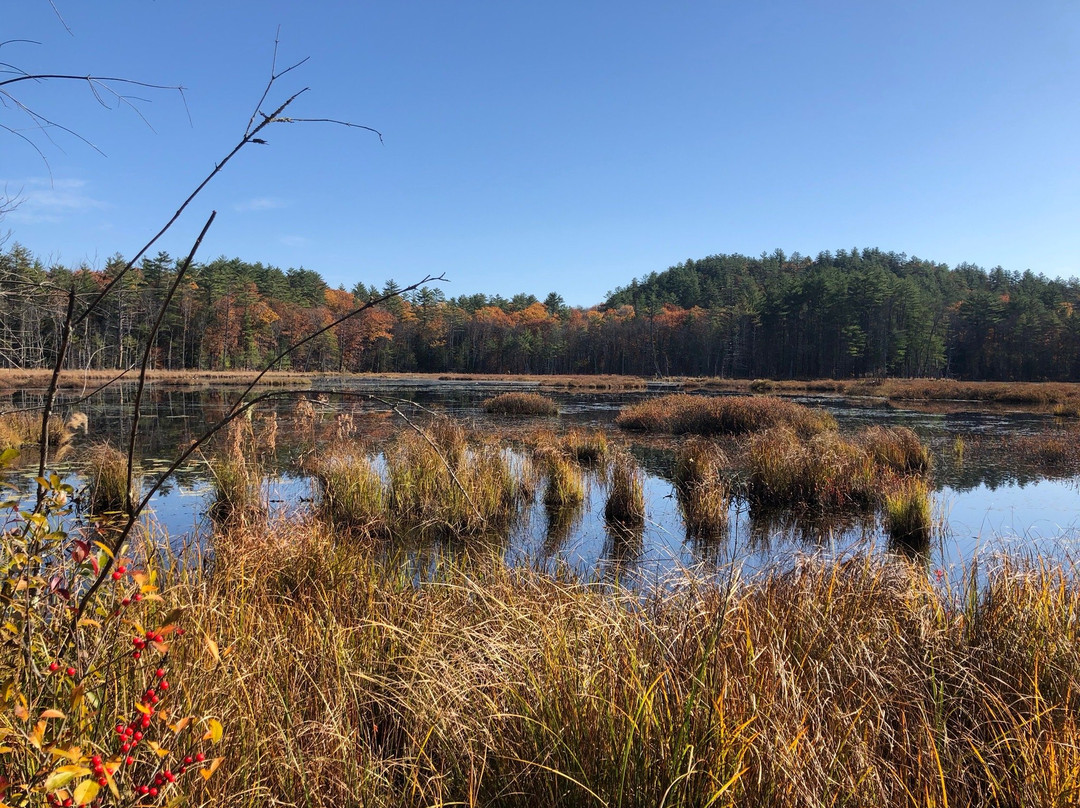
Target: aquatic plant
column 625, row 503
column 106, row 479
column 682, row 413
column 352, row 494
column 520, row 404
column 587, row 448
column 896, row 448
column 907, row 510
column 565, row 486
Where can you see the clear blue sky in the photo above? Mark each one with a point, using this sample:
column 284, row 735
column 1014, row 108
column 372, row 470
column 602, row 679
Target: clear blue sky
column 566, row 146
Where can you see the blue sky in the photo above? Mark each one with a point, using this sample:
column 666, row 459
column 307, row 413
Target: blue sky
column 566, row 146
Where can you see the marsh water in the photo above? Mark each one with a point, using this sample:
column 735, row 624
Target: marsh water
column 987, row 494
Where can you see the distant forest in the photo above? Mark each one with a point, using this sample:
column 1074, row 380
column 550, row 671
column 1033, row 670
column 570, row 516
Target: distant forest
column 844, row 314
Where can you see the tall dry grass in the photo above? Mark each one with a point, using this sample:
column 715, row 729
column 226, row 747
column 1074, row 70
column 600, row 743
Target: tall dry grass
column 861, row 683
column 722, row 415
column 702, row 488
column 519, row 404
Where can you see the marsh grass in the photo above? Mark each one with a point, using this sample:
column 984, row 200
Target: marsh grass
column 856, row 683
column 105, row 468
column 897, row 449
column 352, row 495
column 519, row 404
column 23, row 429
column 682, row 413
column 625, row 503
column 701, row 486
column 589, row 448
column 908, row 514
column 237, row 477
column 565, row 486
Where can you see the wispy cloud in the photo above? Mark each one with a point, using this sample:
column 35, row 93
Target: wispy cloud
column 260, row 203
column 294, row 241
column 40, row 200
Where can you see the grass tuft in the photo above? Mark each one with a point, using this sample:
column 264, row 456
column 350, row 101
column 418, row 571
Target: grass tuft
column 625, row 505
column 682, row 413
column 908, row 513
column 520, row 404
column 106, row 471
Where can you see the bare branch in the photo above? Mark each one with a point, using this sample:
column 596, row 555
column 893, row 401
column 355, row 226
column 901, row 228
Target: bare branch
column 330, row 120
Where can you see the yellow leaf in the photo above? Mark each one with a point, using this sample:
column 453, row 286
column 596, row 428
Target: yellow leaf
column 142, row 708
column 181, row 725
column 147, row 588
column 89, row 621
column 64, row 775
column 139, row 578
column 216, row 731
column 213, row 647
column 53, row 714
column 72, row 753
column 86, row 791
column 38, row 734
column 206, row 773
column 105, row 549
column 77, row 696
column 157, row 749
column 21, row 712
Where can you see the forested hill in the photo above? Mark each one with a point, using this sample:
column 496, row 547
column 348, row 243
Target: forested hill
column 869, row 313
column 839, row 315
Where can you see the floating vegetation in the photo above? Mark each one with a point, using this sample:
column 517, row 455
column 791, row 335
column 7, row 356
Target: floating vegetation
column 520, row 404
column 682, row 413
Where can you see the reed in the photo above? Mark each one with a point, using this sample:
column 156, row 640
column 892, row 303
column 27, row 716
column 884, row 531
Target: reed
column 682, row 413
column 105, row 468
column 625, row 504
column 908, row 513
column 856, row 683
column 520, row 404
column 959, row 446
column 701, row 485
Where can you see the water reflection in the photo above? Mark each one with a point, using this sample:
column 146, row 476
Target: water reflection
column 993, row 488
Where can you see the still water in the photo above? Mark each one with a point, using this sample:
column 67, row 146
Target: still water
column 988, row 498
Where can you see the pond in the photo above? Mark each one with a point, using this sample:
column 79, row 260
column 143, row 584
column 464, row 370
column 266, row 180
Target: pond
column 989, row 490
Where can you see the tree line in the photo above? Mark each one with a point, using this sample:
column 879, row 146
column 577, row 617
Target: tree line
column 840, row 315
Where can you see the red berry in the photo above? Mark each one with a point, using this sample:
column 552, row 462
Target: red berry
column 138, row 596
column 125, row 747
column 153, row 791
column 101, row 781
column 121, row 569
column 125, row 602
column 164, row 685
column 67, row 803
column 136, row 654
column 54, row 667
column 200, row 757
column 160, row 673
column 189, row 760
column 116, row 576
column 170, row 776
column 70, row 671
column 144, row 789
column 129, row 760
column 183, row 770
column 179, row 632
column 138, row 736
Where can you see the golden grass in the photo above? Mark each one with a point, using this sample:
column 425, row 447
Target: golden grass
column 701, row 485
column 105, row 468
column 589, row 448
column 897, row 449
column 856, row 683
column 722, row 415
column 352, row 494
column 907, row 510
column 21, row 429
column 519, row 404
column 565, row 487
column 625, row 503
